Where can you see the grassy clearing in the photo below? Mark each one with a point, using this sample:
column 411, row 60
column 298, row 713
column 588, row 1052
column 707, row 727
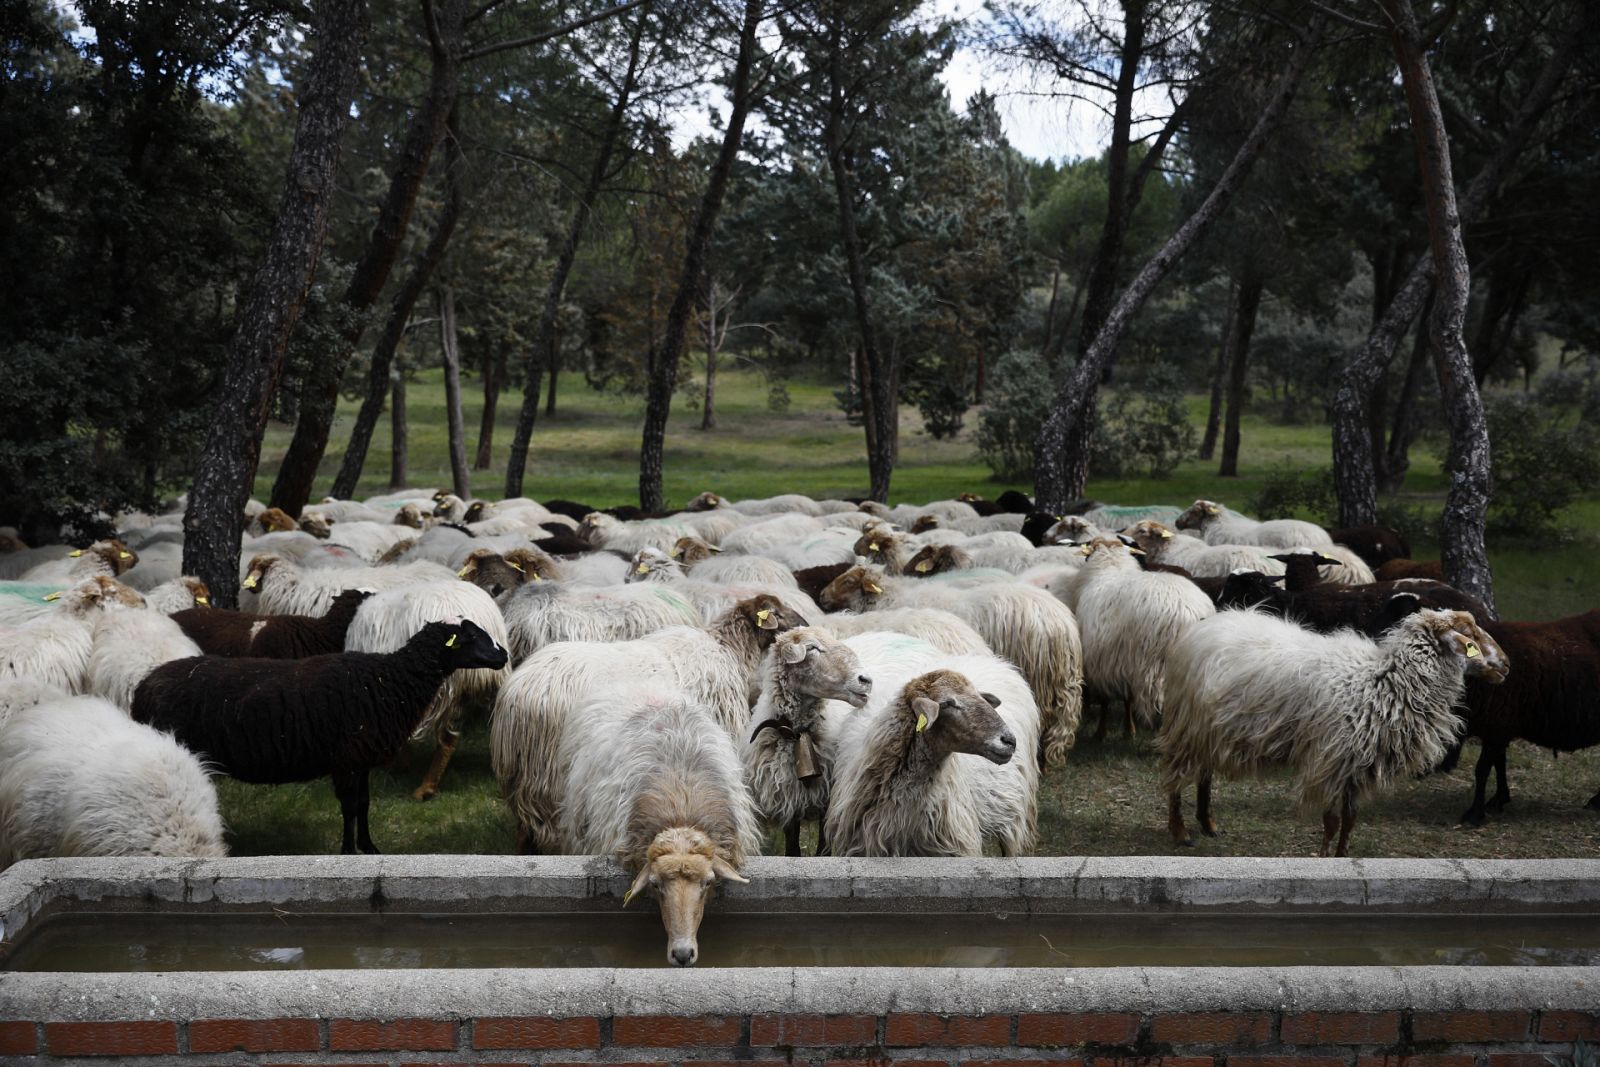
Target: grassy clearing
column 1106, row 800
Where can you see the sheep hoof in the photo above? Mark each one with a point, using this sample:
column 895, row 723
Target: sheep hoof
column 1211, row 831
column 1473, row 818
column 424, row 792
column 1498, row 804
column 1594, row 803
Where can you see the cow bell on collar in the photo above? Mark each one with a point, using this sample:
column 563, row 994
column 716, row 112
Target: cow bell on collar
column 805, row 759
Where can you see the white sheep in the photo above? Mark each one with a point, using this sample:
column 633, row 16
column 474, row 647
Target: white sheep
column 369, row 540
column 19, row 693
column 109, row 558
column 285, row 588
column 180, row 594
column 1220, row 525
column 776, row 532
column 1128, row 618
column 906, row 784
column 1347, row 568
column 129, row 645
column 386, row 621
column 717, row 668
column 79, row 778
column 744, row 570
column 788, row 756
column 1197, row 557
column 542, row 613
column 1248, row 692
column 54, row 647
column 944, row 631
column 611, row 533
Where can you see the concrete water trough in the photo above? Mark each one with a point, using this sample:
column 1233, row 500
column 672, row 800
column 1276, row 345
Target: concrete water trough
column 455, row 959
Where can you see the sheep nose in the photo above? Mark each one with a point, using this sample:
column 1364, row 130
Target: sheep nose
column 1008, row 739
column 865, row 680
column 683, row 956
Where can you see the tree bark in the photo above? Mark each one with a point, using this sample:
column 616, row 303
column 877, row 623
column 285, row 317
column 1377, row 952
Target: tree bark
column 542, row 353
column 399, row 435
column 1397, row 456
column 555, row 375
column 299, row 470
column 400, row 308
column 1219, row 373
column 1061, row 451
column 708, row 409
column 214, row 521
column 459, row 473
column 1354, row 469
column 494, row 369
column 664, row 374
column 1462, row 549
column 1246, row 304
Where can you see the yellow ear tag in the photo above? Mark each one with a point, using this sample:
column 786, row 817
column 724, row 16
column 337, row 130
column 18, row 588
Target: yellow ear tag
column 922, row 722
column 627, row 897
column 643, row 569
column 872, row 587
column 515, row 566
column 203, row 601
column 1472, row 650
column 538, row 577
column 451, row 643
column 1166, row 535
column 763, row 615
column 51, row 596
column 925, row 566
column 124, row 555
column 462, row 573
column 75, row 553
column 873, row 545
column 250, row 582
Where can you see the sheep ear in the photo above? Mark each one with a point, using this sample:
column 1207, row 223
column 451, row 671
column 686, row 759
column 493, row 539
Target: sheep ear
column 203, row 601
column 462, row 573
column 1211, row 509
column 515, row 566
column 927, row 712
column 75, row 553
column 994, row 701
column 793, row 652
column 871, row 586
column 766, row 620
column 639, row 882
column 925, row 566
column 726, row 871
column 1400, row 605
column 1274, row 579
column 715, row 548
column 1328, row 561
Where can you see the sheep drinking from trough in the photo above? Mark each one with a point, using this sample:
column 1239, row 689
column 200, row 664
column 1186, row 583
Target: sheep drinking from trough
column 272, row 720
column 1246, row 692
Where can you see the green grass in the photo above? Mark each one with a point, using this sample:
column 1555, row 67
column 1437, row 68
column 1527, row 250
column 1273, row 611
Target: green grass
column 1106, row 800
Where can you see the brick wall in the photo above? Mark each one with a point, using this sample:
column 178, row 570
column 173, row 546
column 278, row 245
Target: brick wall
column 1105, row 1039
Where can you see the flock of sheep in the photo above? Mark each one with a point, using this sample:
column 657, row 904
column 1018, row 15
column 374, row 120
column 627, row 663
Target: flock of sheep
column 664, row 686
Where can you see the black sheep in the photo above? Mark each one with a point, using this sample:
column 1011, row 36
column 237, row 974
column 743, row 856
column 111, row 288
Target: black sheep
column 273, row 720
column 813, row 580
column 242, row 633
column 561, row 540
column 1551, row 699
column 1014, row 502
column 1303, row 570
column 1371, row 609
column 1376, row 545
column 569, row 508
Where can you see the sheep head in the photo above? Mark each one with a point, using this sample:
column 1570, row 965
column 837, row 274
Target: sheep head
column 1197, row 515
column 260, row 567
column 652, row 565
column 706, row 501
column 944, row 707
column 937, row 559
column 1244, row 588
column 114, row 553
column 316, row 525
column 99, row 593
column 681, row 867
column 767, row 617
column 464, row 645
column 857, row 589
column 817, row 664
column 691, row 550
column 276, row 520
column 595, row 526
column 199, row 592
column 1071, row 530
column 878, row 543
column 1151, row 536
column 496, row 574
column 1458, row 634
column 969, row 498
column 410, row 515
column 477, row 511
column 1110, row 552
column 397, row 551
column 924, row 523
column 874, row 508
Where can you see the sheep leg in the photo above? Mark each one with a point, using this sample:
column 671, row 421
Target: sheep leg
column 822, row 832
column 1202, row 808
column 1105, row 720
column 444, row 748
column 1452, row 756
column 1180, row 835
column 1330, row 826
column 348, row 790
column 363, row 804
column 1129, row 727
column 1474, row 815
column 1502, row 791
column 791, row 837
column 1347, row 822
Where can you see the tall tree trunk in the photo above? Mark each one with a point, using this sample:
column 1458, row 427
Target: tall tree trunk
column 1219, row 373
column 1498, row 325
column 555, row 376
column 1246, row 304
column 459, row 474
column 1050, row 311
column 1397, row 455
column 494, row 369
column 708, row 409
column 879, row 399
column 1061, row 451
column 1462, row 549
column 394, row 327
column 299, row 470
column 214, row 521
column 542, row 353
column 664, row 375
column 398, row 432
column 1354, row 469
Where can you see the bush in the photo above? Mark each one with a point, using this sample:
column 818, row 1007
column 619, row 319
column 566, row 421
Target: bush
column 943, row 405
column 1016, row 403
column 1541, row 464
column 1145, row 429
column 1288, row 492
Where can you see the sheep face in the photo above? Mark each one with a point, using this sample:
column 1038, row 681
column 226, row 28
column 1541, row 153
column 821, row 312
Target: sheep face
column 98, row 594
column 767, row 616
column 316, row 525
column 409, row 515
column 468, row 646
column 925, row 523
column 819, row 665
column 652, row 565
column 857, row 589
column 691, row 550
column 116, row 555
column 958, row 718
column 1110, row 553
column 1071, row 530
column 1198, row 514
column 199, row 592
column 449, row 506
column 707, row 501
column 937, row 559
column 1243, row 588
column 592, row 528
column 877, row 543
column 478, row 510
column 680, row 871
column 1151, row 536
column 260, row 567
column 1459, row 635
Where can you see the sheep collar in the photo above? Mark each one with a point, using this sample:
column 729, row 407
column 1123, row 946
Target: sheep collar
column 805, row 758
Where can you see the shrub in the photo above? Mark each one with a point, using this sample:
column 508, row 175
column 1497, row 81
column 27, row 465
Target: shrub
column 1541, row 464
column 1144, row 429
column 1016, row 403
column 1288, row 492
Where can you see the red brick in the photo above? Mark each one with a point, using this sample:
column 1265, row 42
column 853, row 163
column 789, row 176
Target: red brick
column 1426, row 1060
column 1469, row 1025
column 812, row 1031
column 959, row 1031
column 1568, row 1026
column 1212, row 1028
column 18, row 1039
column 1341, row 1028
column 407, row 1035
column 513, row 1032
column 254, row 1035
column 1151, row 1061
column 1103, row 1029
column 111, row 1039
column 1287, row 1061
column 675, row 1031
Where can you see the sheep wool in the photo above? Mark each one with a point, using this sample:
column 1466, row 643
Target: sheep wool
column 128, row 645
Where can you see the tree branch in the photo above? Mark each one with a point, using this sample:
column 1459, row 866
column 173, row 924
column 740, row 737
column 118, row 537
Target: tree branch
column 552, row 33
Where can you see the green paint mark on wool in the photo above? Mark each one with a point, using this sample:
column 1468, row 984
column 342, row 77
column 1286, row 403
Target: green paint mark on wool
column 676, row 600
column 34, row 591
column 1122, row 516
